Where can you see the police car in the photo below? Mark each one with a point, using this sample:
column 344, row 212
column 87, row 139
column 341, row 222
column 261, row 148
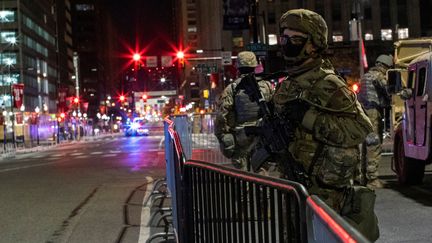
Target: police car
column 136, row 128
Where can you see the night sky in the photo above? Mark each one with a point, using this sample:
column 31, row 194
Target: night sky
column 144, row 22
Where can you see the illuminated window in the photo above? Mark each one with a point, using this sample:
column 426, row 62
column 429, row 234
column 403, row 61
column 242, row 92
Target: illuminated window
column 238, row 42
column 7, row 16
column 192, row 29
column 368, row 36
column 337, row 38
column 386, row 34
column 84, row 7
column 403, row 33
column 272, row 39
column 9, row 79
column 8, row 37
column 8, row 58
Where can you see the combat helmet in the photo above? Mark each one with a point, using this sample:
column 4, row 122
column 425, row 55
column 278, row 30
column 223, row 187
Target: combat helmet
column 387, row 60
column 246, row 59
column 307, row 22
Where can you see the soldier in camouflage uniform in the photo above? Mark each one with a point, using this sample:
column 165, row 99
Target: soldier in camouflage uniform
column 236, row 109
column 329, row 123
column 374, row 98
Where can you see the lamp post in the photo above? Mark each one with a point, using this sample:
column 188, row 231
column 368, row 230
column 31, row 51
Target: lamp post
column 359, row 13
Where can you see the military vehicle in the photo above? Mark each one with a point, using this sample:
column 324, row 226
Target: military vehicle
column 410, row 82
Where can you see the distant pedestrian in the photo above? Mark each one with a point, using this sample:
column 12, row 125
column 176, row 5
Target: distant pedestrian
column 237, row 109
column 374, row 98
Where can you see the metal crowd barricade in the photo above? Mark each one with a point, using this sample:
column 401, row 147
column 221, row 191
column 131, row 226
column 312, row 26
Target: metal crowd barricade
column 197, row 137
column 229, row 205
column 215, row 203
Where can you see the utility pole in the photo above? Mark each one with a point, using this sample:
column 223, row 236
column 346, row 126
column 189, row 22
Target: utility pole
column 359, row 14
column 253, row 20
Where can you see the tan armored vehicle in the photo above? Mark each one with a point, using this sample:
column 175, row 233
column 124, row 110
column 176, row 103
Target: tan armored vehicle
column 411, row 82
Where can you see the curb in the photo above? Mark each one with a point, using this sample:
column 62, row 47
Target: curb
column 47, row 147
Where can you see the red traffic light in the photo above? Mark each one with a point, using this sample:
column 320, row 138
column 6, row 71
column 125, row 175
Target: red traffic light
column 62, row 115
column 122, row 98
column 180, row 55
column 76, row 100
column 136, row 57
column 144, row 97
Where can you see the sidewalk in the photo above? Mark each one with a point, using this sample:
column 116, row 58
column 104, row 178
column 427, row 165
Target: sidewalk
column 46, row 145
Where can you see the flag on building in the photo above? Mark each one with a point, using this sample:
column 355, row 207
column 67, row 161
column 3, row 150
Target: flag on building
column 18, row 94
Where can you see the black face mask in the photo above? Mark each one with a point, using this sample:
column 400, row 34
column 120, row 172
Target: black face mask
column 292, row 46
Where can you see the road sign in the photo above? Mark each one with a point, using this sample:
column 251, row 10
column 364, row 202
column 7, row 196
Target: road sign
column 206, row 68
column 151, row 61
column 166, row 61
column 259, row 49
column 226, row 58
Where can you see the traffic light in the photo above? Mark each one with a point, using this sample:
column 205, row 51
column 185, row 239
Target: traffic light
column 61, row 117
column 144, row 97
column 180, row 56
column 76, row 100
column 136, row 57
column 122, row 98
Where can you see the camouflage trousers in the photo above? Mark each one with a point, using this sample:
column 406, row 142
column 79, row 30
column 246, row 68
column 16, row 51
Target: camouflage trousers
column 242, row 153
column 373, row 145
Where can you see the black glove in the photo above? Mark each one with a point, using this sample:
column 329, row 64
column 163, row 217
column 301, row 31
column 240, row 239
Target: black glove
column 296, row 110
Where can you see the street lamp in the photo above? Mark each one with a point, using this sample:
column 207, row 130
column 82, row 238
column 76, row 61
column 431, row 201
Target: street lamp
column 358, row 10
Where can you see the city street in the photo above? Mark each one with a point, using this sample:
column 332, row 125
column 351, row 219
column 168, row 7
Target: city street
column 93, row 192
column 84, row 192
column 404, row 210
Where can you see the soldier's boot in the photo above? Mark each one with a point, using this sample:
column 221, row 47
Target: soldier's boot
column 375, row 184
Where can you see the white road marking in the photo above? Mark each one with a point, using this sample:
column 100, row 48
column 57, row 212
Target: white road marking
column 75, row 154
column 144, row 232
column 161, row 142
column 27, row 166
column 82, row 157
column 57, row 155
column 109, row 155
column 115, row 151
column 98, row 152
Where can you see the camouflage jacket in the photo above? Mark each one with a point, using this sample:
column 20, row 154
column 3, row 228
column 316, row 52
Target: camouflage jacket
column 236, row 109
column 373, row 93
column 333, row 126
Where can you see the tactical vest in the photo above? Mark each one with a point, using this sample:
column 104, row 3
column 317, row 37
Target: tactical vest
column 368, row 95
column 247, row 109
column 320, row 159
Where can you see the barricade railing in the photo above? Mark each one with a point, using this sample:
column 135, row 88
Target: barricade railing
column 229, row 205
column 198, row 139
column 215, row 203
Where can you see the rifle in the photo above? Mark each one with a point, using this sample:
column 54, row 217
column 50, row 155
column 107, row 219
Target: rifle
column 276, row 132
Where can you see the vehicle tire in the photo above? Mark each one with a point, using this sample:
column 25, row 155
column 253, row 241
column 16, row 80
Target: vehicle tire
column 409, row 171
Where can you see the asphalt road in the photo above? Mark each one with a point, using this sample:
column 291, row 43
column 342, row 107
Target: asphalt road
column 93, row 192
column 83, row 192
column 404, row 212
